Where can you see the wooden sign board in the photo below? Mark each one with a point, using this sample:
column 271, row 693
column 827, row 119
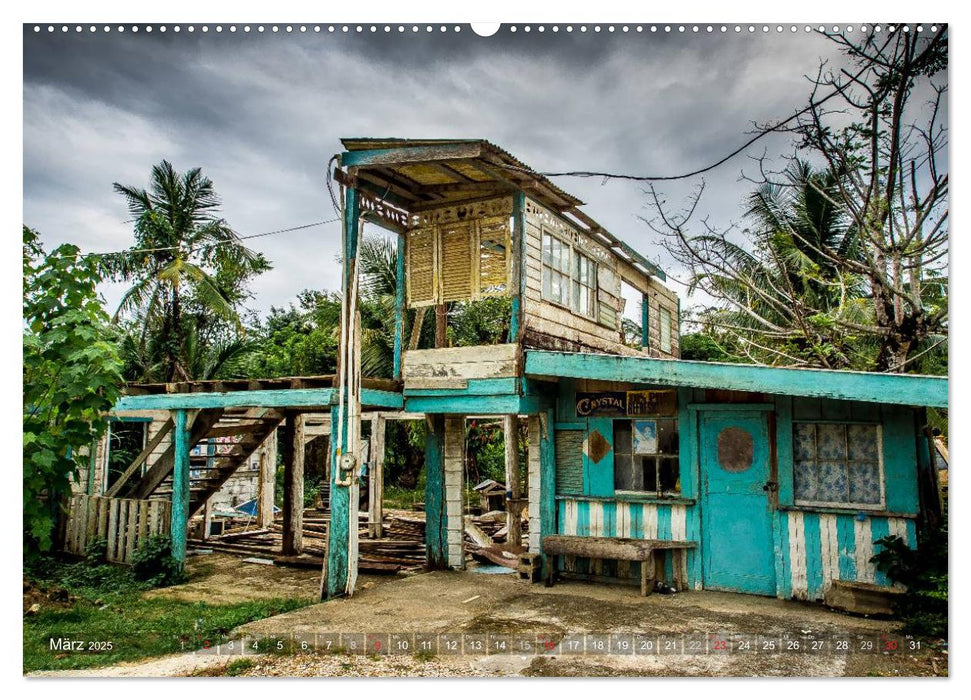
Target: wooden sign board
column 627, row 403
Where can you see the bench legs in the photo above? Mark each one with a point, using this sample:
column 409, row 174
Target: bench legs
column 550, row 571
column 647, row 575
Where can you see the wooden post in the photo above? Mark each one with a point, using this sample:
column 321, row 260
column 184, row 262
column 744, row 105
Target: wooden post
column 547, row 487
column 376, row 482
column 436, row 533
column 340, row 564
column 293, row 485
column 517, row 279
column 454, row 473
column 266, row 493
column 180, row 486
column 441, row 327
column 399, row 307
column 510, row 433
column 645, row 321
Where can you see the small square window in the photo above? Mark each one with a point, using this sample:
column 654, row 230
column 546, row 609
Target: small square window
column 837, row 464
column 646, row 456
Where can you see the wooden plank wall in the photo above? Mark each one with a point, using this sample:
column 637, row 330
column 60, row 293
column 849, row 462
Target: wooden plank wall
column 659, row 296
column 124, row 522
column 819, row 548
column 447, row 368
column 454, row 469
column 545, row 322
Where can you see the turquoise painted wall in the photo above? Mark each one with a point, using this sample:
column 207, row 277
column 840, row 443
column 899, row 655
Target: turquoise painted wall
column 813, row 547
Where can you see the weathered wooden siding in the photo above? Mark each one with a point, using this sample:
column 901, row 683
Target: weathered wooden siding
column 551, row 326
column 659, row 296
column 816, row 549
column 452, row 368
column 586, row 517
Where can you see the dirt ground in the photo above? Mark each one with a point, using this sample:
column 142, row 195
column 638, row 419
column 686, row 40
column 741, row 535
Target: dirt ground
column 485, row 608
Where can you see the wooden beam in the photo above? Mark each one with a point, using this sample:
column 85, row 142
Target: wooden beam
column 899, row 389
column 319, row 399
column 180, row 486
column 293, row 472
column 412, row 154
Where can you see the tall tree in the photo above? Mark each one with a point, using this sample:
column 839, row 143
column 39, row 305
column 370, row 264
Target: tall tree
column 184, row 252
column 846, row 263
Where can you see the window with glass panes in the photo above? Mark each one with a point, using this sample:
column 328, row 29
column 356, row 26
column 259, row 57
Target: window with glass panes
column 646, row 456
column 584, row 285
column 837, row 464
column 556, row 270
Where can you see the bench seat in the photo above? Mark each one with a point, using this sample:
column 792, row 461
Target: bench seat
column 620, row 548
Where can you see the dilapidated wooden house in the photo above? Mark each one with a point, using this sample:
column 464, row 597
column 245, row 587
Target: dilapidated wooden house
column 641, row 466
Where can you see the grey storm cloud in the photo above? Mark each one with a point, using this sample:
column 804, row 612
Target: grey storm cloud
column 263, row 113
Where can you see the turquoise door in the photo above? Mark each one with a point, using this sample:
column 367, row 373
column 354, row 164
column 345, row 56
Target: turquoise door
column 737, row 548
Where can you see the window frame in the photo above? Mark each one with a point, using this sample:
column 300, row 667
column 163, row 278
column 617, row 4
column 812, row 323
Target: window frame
column 847, row 505
column 579, row 258
column 661, row 311
column 548, row 269
column 657, row 457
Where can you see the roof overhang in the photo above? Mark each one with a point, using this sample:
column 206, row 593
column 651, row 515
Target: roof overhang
column 415, row 175
column 899, row 389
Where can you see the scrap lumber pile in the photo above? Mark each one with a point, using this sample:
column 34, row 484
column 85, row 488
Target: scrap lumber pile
column 402, row 547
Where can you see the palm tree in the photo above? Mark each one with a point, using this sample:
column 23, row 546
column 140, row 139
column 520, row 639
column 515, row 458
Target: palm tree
column 785, row 300
column 180, row 242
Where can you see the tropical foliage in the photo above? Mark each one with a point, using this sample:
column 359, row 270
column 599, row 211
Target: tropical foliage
column 72, row 377
column 188, row 272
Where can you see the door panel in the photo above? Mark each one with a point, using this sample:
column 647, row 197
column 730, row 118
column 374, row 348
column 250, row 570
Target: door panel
column 738, row 552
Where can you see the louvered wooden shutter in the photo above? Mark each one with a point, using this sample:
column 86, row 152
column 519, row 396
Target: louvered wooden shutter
column 421, row 267
column 568, row 449
column 494, row 256
column 456, row 257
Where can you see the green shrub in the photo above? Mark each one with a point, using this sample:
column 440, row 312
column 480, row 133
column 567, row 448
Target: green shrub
column 923, row 608
column 153, row 562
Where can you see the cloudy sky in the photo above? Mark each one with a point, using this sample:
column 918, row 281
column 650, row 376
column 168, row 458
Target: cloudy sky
column 262, row 114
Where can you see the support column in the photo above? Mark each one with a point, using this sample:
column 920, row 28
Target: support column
column 454, row 468
column 340, row 565
column 645, row 322
column 399, row 306
column 542, row 483
column 517, row 281
column 293, row 484
column 441, row 325
column 180, row 485
column 266, row 493
column 510, row 434
column 376, row 482
column 436, row 541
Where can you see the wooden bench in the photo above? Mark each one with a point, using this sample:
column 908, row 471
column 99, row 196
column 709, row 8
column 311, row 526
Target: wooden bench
column 618, row 548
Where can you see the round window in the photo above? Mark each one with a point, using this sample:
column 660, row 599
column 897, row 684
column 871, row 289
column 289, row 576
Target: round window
column 735, row 449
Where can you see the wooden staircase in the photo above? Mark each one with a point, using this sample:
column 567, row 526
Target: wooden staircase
column 229, row 437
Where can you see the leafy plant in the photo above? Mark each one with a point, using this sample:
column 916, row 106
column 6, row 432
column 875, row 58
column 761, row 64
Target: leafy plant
column 72, row 378
column 923, row 608
column 153, row 562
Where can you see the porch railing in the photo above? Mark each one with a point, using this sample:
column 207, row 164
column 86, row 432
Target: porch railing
column 124, row 522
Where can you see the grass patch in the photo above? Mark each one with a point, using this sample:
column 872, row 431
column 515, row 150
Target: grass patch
column 109, row 616
column 234, row 668
column 402, row 498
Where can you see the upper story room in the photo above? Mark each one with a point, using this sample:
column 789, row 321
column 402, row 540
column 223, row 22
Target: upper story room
column 477, row 224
